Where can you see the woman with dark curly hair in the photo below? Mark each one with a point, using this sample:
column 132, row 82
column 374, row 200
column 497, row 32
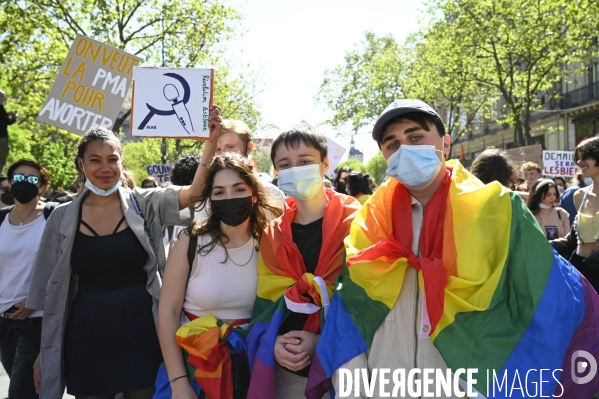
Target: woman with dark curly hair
column 220, row 283
column 541, row 200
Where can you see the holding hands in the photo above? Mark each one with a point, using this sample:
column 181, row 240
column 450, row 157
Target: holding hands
column 295, row 350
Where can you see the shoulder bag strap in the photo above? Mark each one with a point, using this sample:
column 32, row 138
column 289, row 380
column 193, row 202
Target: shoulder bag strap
column 148, row 233
column 586, row 192
column 191, row 252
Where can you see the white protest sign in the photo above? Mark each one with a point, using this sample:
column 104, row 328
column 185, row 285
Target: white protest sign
column 90, row 87
column 160, row 171
column 336, row 151
column 559, row 163
column 171, row 102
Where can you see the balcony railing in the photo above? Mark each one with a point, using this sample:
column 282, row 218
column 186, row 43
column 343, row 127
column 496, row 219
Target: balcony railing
column 585, row 94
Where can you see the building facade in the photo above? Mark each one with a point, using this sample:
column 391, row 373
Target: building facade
column 559, row 125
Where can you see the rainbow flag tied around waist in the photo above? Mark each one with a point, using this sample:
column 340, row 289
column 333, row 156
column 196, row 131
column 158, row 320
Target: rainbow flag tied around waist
column 206, row 342
column 284, row 286
column 498, row 297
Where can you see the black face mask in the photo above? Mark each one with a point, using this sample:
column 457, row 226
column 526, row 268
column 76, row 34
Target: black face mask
column 232, row 212
column 340, row 187
column 7, row 198
column 24, row 191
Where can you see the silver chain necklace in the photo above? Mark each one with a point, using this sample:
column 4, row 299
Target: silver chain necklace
column 248, row 261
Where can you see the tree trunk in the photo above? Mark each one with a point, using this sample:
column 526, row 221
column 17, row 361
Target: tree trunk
column 526, row 127
column 116, row 128
column 518, row 134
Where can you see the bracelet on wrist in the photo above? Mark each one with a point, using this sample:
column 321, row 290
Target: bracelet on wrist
column 177, row 378
column 204, row 164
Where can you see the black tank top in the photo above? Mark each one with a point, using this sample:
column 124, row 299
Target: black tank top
column 108, row 262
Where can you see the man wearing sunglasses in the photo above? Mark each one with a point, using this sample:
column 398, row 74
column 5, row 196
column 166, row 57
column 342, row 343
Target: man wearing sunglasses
column 6, row 119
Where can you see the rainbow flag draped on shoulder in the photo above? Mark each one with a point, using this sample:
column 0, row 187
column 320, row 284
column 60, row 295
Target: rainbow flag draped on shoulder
column 284, row 285
column 498, row 297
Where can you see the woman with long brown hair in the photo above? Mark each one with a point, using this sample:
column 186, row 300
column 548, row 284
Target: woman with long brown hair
column 552, row 219
column 220, row 282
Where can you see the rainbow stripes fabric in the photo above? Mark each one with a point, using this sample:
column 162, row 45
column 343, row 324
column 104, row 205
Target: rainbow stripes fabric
column 206, row 342
column 285, row 286
column 498, row 297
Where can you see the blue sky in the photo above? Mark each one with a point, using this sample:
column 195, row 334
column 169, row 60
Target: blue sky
column 293, row 42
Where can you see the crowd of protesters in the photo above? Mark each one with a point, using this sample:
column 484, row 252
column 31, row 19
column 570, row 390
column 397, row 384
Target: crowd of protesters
column 225, row 284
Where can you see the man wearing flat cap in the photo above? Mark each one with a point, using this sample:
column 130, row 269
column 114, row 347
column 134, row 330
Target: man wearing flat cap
column 448, row 281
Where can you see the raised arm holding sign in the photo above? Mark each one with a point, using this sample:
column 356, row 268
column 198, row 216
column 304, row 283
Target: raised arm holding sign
column 106, row 237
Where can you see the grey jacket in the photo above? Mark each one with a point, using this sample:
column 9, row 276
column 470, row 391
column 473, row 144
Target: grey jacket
column 53, row 288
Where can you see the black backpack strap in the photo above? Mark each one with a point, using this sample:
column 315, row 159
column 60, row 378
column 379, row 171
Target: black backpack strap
column 49, row 208
column 559, row 215
column 191, row 252
column 5, row 211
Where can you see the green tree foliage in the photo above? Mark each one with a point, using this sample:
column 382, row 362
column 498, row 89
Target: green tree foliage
column 376, row 167
column 518, row 49
column 61, row 168
column 435, row 77
column 263, row 161
column 38, row 33
column 472, row 54
column 353, row 164
column 368, row 80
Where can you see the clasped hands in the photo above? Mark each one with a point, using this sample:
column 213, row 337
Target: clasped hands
column 295, row 350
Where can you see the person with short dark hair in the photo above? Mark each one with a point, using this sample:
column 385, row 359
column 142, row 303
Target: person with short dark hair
column 21, row 229
column 184, row 169
column 552, row 219
column 586, row 221
column 301, row 254
column 6, row 198
column 560, row 184
column 339, row 180
column 492, row 165
column 6, row 119
column 150, row 182
column 445, row 273
column 183, row 172
column 357, row 185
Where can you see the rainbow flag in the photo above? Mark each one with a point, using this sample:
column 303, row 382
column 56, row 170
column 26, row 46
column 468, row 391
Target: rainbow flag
column 206, row 342
column 285, row 286
column 498, row 297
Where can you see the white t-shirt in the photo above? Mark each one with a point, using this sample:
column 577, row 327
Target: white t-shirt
column 225, row 290
column 18, row 249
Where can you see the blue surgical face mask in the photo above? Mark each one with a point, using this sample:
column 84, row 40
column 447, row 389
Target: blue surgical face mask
column 588, row 181
column 98, row 191
column 3, row 102
column 414, row 166
column 301, row 182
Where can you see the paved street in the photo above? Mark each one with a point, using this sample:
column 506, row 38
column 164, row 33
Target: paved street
column 4, row 385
